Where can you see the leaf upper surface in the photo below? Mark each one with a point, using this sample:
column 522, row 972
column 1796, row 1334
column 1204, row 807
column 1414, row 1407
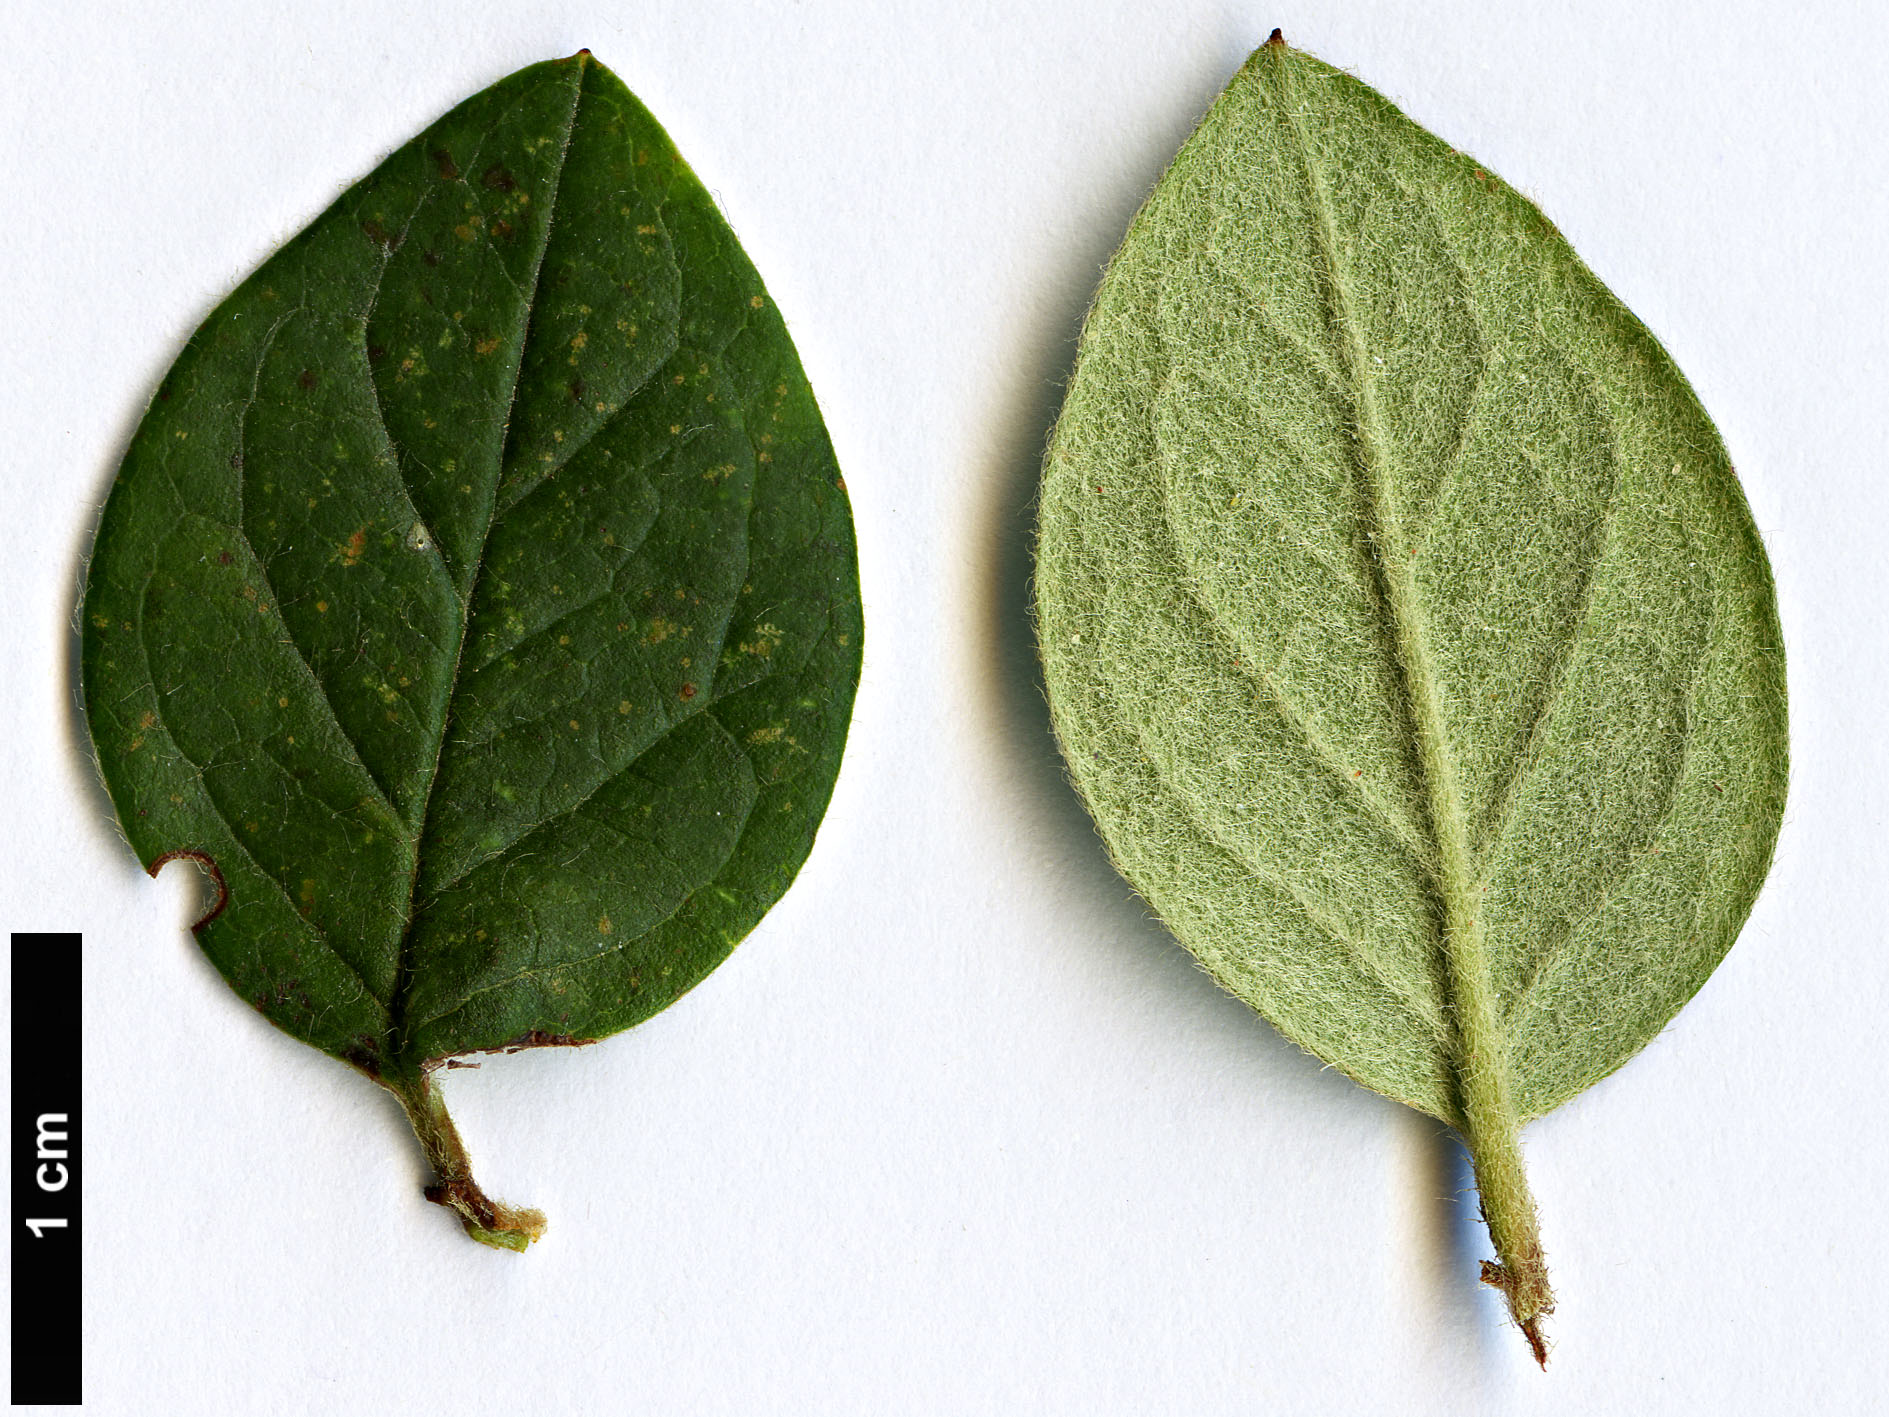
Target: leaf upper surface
column 479, row 595
column 1337, row 368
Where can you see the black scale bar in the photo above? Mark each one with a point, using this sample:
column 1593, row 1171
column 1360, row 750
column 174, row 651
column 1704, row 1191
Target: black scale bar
column 47, row 1100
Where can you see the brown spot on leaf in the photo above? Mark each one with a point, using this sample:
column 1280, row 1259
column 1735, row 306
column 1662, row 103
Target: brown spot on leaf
column 497, row 178
column 444, row 164
column 364, row 1053
column 307, row 379
column 687, row 691
column 357, row 544
column 379, row 234
column 430, row 257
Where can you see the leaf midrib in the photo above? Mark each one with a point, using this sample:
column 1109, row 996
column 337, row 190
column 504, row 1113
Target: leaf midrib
column 397, row 1032
column 1465, row 975
column 1482, row 1030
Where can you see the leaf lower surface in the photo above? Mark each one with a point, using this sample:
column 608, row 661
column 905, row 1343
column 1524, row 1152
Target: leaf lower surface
column 479, row 594
column 1337, row 365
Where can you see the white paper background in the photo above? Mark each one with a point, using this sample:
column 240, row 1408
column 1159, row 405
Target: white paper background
column 959, row 1129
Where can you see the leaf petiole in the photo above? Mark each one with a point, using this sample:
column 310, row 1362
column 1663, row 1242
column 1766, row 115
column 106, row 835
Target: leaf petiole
column 488, row 1221
column 1508, row 1208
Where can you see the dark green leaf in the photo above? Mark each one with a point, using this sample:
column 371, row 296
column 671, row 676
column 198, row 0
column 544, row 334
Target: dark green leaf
column 478, row 600
column 1403, row 621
